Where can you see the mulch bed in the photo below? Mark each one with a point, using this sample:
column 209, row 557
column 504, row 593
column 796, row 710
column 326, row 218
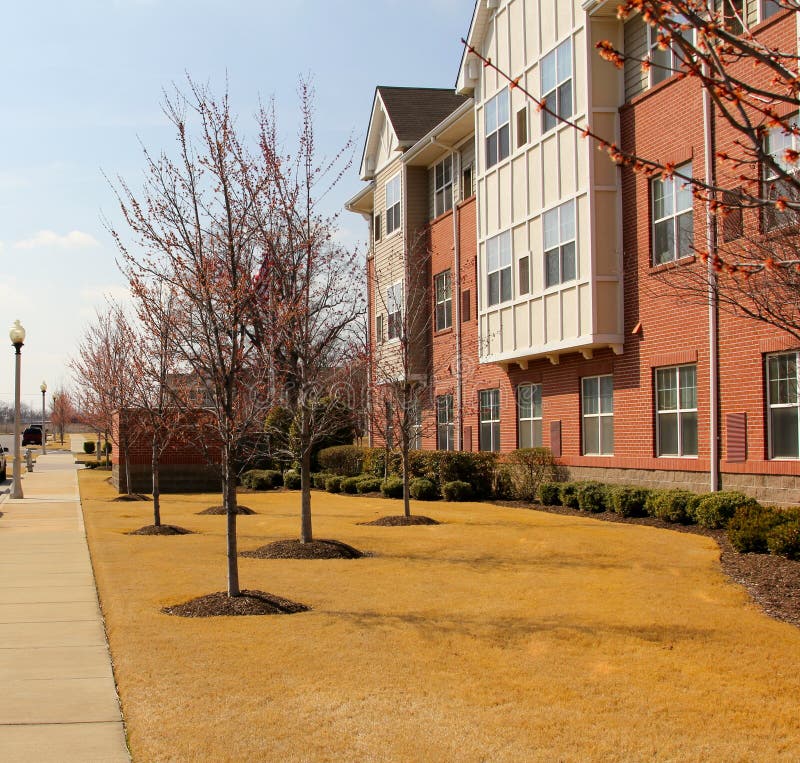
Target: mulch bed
column 132, row 497
column 294, row 549
column 401, row 521
column 221, row 510
column 161, row 530
column 772, row 581
column 248, row 603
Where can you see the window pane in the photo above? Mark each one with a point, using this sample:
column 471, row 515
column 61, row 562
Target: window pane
column 590, row 395
column 502, row 142
column 491, row 150
column 607, row 435
column 496, row 435
column 565, row 100
column 668, row 434
column 524, row 275
column 784, row 433
column 502, row 106
column 548, row 120
column 568, row 262
column 536, row 438
column 504, row 246
column 606, row 394
column 494, row 288
column 664, row 242
column 683, row 196
column 552, row 268
column 564, row 60
column 549, row 72
column 486, row 436
column 525, row 434
column 551, row 229
column 662, row 198
column 666, row 389
column 505, row 284
column 689, row 434
column 688, row 379
column 525, row 401
column 490, row 116
column 685, row 234
column 492, row 254
column 661, row 60
column 567, row 222
column 591, row 435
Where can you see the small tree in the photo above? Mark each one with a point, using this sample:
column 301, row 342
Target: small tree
column 62, row 410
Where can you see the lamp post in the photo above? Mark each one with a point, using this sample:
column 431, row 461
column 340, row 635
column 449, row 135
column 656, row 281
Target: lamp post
column 17, row 335
column 44, row 421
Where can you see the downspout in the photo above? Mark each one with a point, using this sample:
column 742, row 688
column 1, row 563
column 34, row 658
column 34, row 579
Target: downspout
column 713, row 328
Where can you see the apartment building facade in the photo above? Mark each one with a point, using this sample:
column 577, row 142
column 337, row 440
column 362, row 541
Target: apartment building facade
column 547, row 273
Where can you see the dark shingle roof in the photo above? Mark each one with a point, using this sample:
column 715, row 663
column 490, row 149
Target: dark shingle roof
column 415, row 111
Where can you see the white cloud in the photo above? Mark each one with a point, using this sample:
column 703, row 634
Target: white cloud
column 46, row 238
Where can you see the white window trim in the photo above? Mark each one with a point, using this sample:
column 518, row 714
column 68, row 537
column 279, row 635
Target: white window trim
column 389, row 303
column 677, row 185
column 770, row 406
column 771, row 177
column 498, row 128
column 558, row 83
column 599, row 415
column 446, row 274
column 530, row 418
column 509, row 266
column 449, row 424
column 398, row 204
column 561, row 243
column 482, row 421
column 674, row 60
column 443, row 188
column 677, row 410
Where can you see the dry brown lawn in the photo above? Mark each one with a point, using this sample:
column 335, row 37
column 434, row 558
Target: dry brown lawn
column 499, row 635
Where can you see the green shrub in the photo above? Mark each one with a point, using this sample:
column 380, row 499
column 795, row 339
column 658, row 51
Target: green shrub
column 457, row 490
column 591, row 496
column 568, row 494
column 320, row 479
column 669, row 505
column 550, row 493
column 715, row 510
column 368, row 484
column 350, row 485
column 262, row 479
column 529, row 467
column 88, row 446
column 749, row 527
column 627, row 501
column 422, row 489
column 392, row 487
column 291, row 480
column 784, row 539
column 334, row 484
column 345, row 460
column 107, row 447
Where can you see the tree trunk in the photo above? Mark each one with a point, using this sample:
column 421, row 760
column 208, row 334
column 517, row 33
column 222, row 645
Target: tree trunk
column 99, row 448
column 125, row 455
column 406, row 502
column 306, row 535
column 229, row 502
column 154, row 465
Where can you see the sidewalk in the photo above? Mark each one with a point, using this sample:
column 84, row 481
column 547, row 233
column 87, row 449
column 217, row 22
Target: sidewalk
column 58, row 700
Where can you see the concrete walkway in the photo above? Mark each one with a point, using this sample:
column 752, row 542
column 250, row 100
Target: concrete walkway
column 58, row 701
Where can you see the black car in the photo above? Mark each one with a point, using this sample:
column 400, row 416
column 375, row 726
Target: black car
column 32, row 435
column 3, row 467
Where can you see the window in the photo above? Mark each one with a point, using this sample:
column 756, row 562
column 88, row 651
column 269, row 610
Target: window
column 559, row 245
column 380, row 338
column 598, row 415
column 443, row 186
column 784, row 432
column 557, row 85
column 466, row 182
column 466, row 305
column 444, row 423
column 444, row 301
column 733, row 13
column 522, row 127
column 676, row 411
column 664, row 61
column 498, row 268
column 489, row 434
column 776, row 183
column 495, row 119
column 394, row 308
column 377, row 228
column 673, row 221
column 393, row 204
column 524, row 275
column 769, row 8
column 529, row 409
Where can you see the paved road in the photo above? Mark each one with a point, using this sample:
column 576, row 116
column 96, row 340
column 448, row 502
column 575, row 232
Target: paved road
column 58, row 700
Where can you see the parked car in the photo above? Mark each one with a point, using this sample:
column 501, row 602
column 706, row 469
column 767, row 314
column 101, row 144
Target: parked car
column 32, row 435
column 3, row 452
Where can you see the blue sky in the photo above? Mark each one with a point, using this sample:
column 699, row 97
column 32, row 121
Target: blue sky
column 82, row 84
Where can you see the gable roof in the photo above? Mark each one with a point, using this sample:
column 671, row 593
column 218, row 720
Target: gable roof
column 415, row 111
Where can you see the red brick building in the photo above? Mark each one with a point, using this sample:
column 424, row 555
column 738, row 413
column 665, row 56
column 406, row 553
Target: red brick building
column 549, row 275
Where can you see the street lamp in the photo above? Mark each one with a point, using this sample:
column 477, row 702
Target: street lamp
column 44, row 431
column 17, row 335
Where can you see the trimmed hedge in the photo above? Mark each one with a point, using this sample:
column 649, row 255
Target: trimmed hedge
column 568, row 494
column 749, row 527
column 550, row 493
column 262, row 479
column 591, row 496
column 344, row 460
column 457, row 490
column 320, row 479
column 334, row 484
column 422, row 489
column 670, row 505
column 291, row 480
column 350, row 484
column 88, row 446
column 784, row 539
column 627, row 501
column 714, row 510
column 368, row 484
column 392, row 487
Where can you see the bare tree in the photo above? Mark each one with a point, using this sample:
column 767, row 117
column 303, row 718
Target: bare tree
column 62, row 410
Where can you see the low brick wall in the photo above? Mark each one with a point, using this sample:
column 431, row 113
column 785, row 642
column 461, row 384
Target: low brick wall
column 173, row 478
column 767, row 488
